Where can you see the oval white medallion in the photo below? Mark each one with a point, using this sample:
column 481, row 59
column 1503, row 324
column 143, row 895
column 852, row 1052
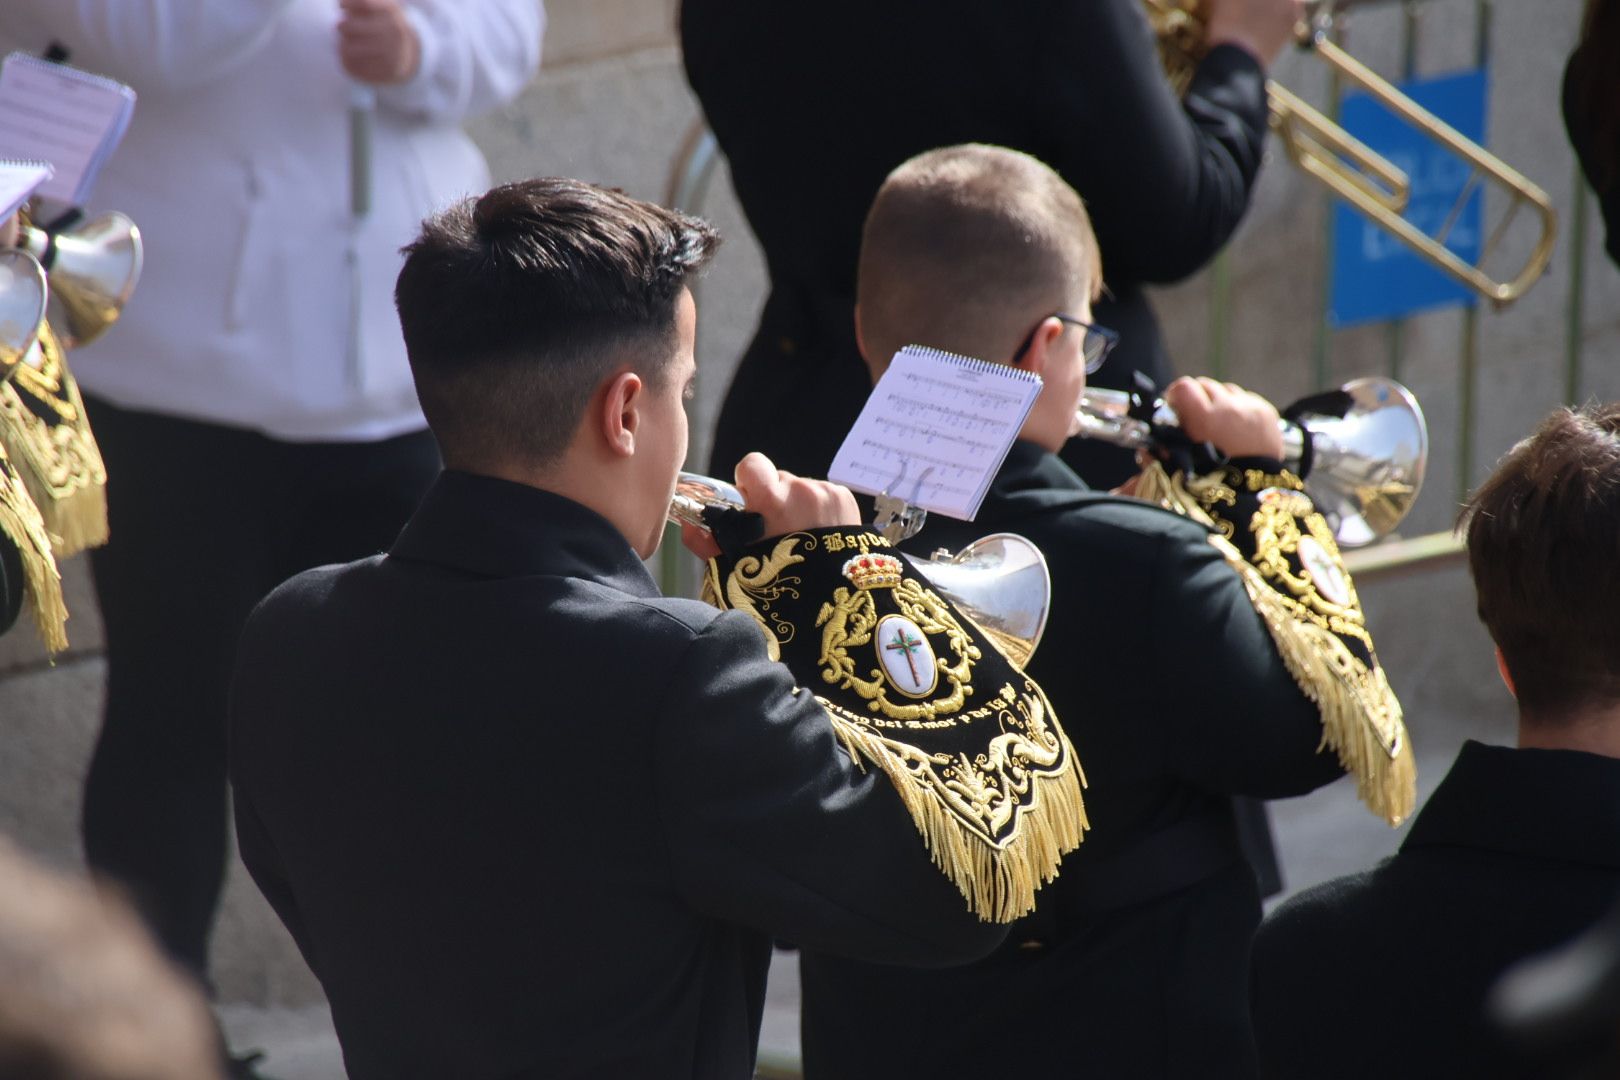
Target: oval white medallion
column 1325, row 574
column 906, row 657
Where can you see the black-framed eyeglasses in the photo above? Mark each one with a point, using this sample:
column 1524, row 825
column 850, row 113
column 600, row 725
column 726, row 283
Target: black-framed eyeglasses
column 1099, row 341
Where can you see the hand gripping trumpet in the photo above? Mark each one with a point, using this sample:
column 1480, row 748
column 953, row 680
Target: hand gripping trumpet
column 999, row 581
column 1361, row 449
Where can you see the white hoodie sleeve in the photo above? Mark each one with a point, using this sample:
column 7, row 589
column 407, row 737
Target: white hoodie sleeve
column 161, row 44
column 476, row 56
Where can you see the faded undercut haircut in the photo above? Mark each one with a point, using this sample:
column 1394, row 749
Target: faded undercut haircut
column 966, row 248
column 1544, row 549
column 516, row 304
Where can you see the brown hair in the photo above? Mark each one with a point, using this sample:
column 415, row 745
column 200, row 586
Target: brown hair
column 86, row 995
column 1544, row 549
column 966, row 248
column 515, row 305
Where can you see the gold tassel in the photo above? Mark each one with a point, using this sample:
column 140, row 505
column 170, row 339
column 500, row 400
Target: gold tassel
column 23, row 526
column 999, row 884
column 57, row 457
column 1354, row 702
column 1351, row 703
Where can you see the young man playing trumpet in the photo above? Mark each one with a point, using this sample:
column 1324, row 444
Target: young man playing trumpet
column 1172, row 689
column 523, row 815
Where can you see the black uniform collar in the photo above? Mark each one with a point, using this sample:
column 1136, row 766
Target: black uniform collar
column 497, row 528
column 1032, row 468
column 1545, row 804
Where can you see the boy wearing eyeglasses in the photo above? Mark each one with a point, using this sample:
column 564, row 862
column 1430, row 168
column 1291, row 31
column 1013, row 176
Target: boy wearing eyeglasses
column 1135, row 960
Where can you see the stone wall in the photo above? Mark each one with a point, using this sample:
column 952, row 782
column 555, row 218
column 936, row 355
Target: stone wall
column 612, row 106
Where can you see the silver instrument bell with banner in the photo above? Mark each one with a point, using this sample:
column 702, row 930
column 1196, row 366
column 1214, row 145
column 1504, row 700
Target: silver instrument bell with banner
column 1000, row 581
column 1363, row 469
column 93, row 268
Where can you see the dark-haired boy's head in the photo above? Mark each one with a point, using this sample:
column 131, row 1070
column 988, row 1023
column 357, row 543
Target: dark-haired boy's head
column 1544, row 549
column 517, row 304
column 975, row 249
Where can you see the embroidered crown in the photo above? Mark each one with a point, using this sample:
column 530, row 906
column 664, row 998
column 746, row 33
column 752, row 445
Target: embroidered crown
column 873, row 571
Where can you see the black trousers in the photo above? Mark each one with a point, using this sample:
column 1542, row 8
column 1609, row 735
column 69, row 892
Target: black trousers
column 205, row 521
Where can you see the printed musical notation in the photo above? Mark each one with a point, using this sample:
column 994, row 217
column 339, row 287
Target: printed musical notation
column 935, row 430
column 69, row 118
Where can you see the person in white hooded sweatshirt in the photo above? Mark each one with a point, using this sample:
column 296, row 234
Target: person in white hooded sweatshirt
column 253, row 403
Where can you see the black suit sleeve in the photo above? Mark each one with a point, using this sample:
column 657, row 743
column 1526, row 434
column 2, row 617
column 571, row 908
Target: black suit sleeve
column 1166, row 181
column 772, row 825
column 1243, row 725
column 264, row 866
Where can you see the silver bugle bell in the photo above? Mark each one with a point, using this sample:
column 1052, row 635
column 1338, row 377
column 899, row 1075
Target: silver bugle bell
column 999, row 581
column 1366, row 466
column 23, row 297
column 93, row 268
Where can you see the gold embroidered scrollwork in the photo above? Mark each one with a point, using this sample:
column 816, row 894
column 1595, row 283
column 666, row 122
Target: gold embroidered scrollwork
column 993, row 785
column 43, row 427
column 1295, row 578
column 847, row 623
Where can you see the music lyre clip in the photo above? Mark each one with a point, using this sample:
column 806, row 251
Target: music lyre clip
column 898, row 518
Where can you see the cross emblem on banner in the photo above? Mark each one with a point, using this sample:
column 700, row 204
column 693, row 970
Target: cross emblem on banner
column 907, row 645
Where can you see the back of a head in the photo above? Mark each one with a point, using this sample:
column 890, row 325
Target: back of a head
column 517, row 303
column 1544, row 549
column 965, row 248
column 84, row 993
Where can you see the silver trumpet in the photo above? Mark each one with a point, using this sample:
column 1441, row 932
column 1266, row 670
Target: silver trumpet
column 93, row 268
column 999, row 581
column 23, row 298
column 1365, row 468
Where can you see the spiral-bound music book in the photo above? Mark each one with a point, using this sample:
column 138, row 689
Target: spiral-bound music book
column 70, row 118
column 19, row 180
column 936, row 430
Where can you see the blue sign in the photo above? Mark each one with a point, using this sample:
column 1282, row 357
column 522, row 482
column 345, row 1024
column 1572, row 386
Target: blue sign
column 1375, row 276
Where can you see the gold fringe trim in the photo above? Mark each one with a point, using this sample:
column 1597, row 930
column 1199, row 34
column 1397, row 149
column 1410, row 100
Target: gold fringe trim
column 1353, row 703
column 999, row 884
column 23, row 526
column 1350, row 702
column 59, row 462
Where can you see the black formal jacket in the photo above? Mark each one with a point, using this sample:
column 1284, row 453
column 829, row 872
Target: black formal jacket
column 1384, row 973
column 1135, row 962
column 815, row 103
column 525, row 817
column 1594, row 131
column 12, row 583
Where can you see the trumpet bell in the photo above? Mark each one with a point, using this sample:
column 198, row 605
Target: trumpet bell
column 93, row 270
column 1002, row 583
column 23, row 298
column 999, row 581
column 1368, row 465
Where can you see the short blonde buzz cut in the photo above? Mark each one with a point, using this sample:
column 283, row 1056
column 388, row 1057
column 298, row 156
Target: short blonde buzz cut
column 966, row 248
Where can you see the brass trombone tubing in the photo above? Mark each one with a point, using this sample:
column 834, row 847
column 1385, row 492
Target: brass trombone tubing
column 1299, row 124
column 1521, row 189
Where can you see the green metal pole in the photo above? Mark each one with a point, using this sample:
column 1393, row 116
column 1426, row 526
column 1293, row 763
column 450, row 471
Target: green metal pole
column 1395, row 333
column 1577, row 290
column 1469, row 361
column 1324, row 334
column 1465, row 401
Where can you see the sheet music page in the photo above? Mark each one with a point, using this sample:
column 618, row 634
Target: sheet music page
column 18, row 181
column 70, row 118
column 936, row 430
